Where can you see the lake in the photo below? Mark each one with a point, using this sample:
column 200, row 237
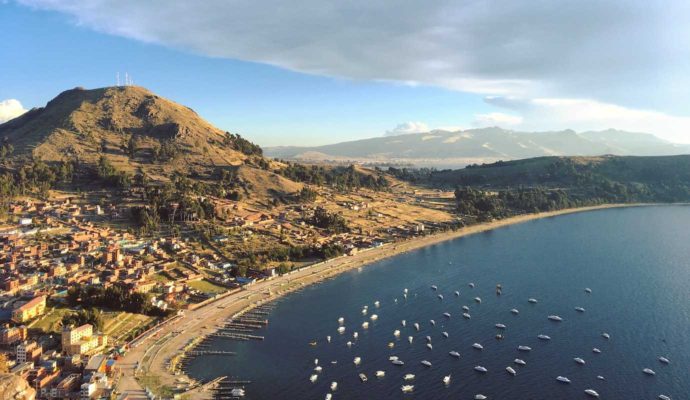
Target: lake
column 635, row 260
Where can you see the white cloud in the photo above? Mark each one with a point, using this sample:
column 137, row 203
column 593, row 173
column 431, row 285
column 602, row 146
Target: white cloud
column 496, row 119
column 407, row 128
column 584, row 114
column 10, row 109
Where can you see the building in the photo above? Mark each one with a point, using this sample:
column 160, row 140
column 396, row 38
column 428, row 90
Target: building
column 29, row 310
column 11, row 335
column 28, row 351
column 81, row 340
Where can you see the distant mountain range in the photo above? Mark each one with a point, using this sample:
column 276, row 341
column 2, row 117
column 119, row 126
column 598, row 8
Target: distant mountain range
column 445, row 149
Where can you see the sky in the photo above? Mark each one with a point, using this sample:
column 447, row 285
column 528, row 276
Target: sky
column 314, row 72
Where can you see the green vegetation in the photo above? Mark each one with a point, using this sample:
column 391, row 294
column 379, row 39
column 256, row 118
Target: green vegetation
column 205, row 286
column 334, row 223
column 344, row 178
column 85, row 316
column 113, row 297
column 110, row 175
column 244, row 146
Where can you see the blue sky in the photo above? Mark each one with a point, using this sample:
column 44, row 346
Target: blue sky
column 321, row 72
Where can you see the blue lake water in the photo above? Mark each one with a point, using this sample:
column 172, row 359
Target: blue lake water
column 635, row 260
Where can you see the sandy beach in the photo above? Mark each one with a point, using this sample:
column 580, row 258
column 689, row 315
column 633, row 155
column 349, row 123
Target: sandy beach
column 152, row 354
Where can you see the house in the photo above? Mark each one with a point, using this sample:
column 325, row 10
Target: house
column 29, row 351
column 29, row 310
column 81, row 340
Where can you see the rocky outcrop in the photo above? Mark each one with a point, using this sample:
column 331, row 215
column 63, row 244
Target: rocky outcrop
column 13, row 387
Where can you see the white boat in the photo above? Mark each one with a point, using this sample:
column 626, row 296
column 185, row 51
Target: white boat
column 478, row 299
column 596, row 350
column 470, row 284
column 455, row 354
column 334, row 386
column 649, row 371
column 601, row 378
column 328, row 339
column 408, row 377
column 405, row 290
column 519, row 361
column 465, row 308
column 365, row 325
column 313, row 378
column 363, row 377
column 329, row 396
column 544, row 337
column 446, row 314
column 416, row 326
column 511, row 371
column 440, row 296
column 481, row 369
column 318, row 368
column 592, row 392
column 374, row 317
column 426, row 363
column 480, row 397
column 588, row 290
column 478, row 346
column 391, row 345
column 341, row 320
column 524, row 348
column 606, row 335
column 428, row 338
column 429, row 346
column 466, row 315
column 500, row 326
column 355, row 335
column 515, row 311
column 410, row 339
column 316, row 361
column 393, row 358
column 397, row 362
column 380, row 374
column 664, row 397
column 364, row 311
column 432, row 322
column 579, row 360
column 555, row 318
column 446, row 380
column 349, row 344
column 664, row 360
column 445, row 334
column 434, row 287
column 403, row 323
column 562, row 379
column 237, row 392
column 579, row 309
column 532, row 300
column 457, row 293
column 407, row 388
column 357, row 360
column 341, row 329
column 376, row 303
column 396, row 333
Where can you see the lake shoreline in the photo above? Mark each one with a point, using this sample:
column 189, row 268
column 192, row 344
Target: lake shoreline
column 204, row 320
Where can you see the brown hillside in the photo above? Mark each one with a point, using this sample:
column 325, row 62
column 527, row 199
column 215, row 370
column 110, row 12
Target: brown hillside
column 84, row 124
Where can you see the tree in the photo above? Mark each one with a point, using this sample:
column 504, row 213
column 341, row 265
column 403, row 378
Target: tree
column 4, row 366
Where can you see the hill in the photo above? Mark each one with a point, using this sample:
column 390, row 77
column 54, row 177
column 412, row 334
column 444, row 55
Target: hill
column 132, row 127
column 447, row 149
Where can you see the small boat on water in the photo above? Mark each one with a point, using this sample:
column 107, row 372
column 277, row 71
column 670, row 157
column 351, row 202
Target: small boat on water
column 341, row 329
column 499, row 336
column 481, row 369
column 357, row 360
column 544, row 337
column 334, row 386
column 363, row 377
column 470, row 285
column 555, row 318
column 532, row 300
column 397, row 362
column 457, row 293
column 511, row 371
column 364, row 311
column 355, row 335
column 329, row 396
column 466, row 315
column 405, row 290
column 579, row 309
column 416, row 326
column 588, row 290
column 426, row 363
column 380, row 374
column 596, row 351
column 519, row 361
column 318, row 368
column 515, row 311
column 664, row 397
column 316, row 361
column 377, row 303
column 407, row 388
column 445, row 334
column 500, row 326
column 313, row 378
column 579, row 360
column 434, row 287
column 592, row 392
column 410, row 339
column 408, row 377
column 446, row 314
column 480, row 397
column 328, row 339
column 478, row 299
column 446, row 380
column 391, row 345
column 365, row 325
column 396, row 333
column 601, row 378
column 465, row 308
column 664, row 360
column 562, row 379
column 478, row 346
column 432, row 322
column 341, row 320
column 454, row 353
column 403, row 323
column 429, row 346
column 393, row 358
column 649, row 371
column 374, row 317
column 349, row 344
column 440, row 296
column 524, row 348
column 428, row 338
column 606, row 335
